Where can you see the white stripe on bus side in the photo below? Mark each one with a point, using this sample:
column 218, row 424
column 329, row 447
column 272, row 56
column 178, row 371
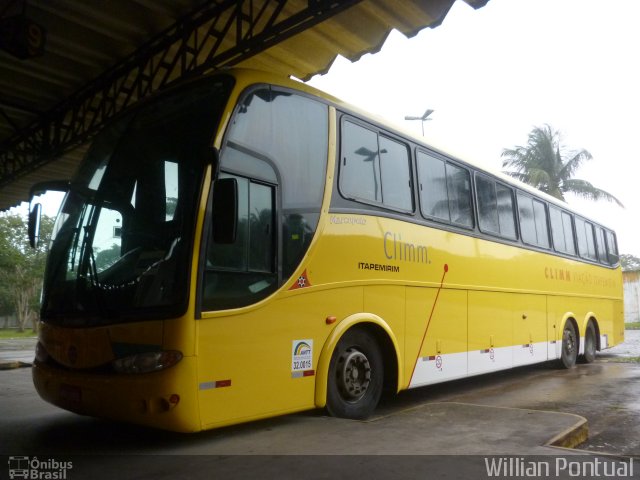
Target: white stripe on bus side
column 450, row 366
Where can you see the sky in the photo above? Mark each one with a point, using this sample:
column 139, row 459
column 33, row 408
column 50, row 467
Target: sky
column 493, row 74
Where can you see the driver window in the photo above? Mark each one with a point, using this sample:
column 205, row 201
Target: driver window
column 244, row 272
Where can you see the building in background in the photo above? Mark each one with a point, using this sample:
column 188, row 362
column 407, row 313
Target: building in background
column 8, row 321
column 631, row 285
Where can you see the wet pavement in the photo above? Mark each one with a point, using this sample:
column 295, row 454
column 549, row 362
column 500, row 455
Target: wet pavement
column 630, row 347
column 606, row 393
column 17, row 352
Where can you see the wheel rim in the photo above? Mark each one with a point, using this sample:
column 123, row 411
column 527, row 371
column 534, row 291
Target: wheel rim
column 569, row 341
column 354, row 375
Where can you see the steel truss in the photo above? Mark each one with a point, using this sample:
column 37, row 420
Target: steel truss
column 216, row 34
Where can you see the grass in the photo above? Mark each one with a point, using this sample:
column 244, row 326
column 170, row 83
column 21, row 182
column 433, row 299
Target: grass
column 12, row 333
column 632, row 326
column 627, row 360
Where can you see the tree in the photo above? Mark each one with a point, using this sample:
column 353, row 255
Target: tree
column 629, row 262
column 547, row 165
column 106, row 258
column 21, row 268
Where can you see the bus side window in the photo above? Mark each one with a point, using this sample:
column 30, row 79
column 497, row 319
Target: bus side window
column 533, row 221
column 562, row 231
column 374, row 168
column 495, row 207
column 568, row 233
column 445, row 190
column 360, row 168
column 432, row 178
column 459, row 193
column 395, row 173
column 586, row 243
column 600, row 242
column 612, row 248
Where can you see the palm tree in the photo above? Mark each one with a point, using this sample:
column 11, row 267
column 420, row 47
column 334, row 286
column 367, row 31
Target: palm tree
column 545, row 164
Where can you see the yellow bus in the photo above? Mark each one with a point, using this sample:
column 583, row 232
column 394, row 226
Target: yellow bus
column 244, row 246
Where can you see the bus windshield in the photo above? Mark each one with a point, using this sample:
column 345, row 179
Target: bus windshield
column 121, row 246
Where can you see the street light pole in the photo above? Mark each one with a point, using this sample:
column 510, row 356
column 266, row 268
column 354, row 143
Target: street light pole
column 423, row 118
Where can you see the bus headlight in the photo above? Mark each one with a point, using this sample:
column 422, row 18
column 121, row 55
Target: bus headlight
column 147, row 362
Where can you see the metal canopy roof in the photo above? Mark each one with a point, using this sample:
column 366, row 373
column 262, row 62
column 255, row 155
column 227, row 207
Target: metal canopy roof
column 101, row 57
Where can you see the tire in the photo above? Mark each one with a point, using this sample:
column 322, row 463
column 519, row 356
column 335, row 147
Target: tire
column 589, row 354
column 570, row 346
column 356, row 375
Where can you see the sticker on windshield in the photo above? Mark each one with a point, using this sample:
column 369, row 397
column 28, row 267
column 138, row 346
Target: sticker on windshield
column 301, row 355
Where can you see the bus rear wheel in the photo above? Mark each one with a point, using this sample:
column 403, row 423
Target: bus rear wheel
column 589, row 354
column 569, row 346
column 355, row 376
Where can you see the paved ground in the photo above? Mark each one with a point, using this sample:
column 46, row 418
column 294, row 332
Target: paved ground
column 508, row 413
column 15, row 352
column 403, row 426
column 630, row 347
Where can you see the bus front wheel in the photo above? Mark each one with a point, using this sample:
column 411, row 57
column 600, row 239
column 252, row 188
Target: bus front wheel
column 569, row 346
column 355, row 376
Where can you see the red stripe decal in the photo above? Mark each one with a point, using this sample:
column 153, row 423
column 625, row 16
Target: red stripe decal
column 446, row 269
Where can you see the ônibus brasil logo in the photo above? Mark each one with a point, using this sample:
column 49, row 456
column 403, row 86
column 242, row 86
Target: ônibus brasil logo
column 38, row 469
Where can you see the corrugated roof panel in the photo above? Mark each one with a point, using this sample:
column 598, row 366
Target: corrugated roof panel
column 359, row 30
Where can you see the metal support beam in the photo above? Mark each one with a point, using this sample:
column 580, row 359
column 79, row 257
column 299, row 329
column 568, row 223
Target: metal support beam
column 216, row 34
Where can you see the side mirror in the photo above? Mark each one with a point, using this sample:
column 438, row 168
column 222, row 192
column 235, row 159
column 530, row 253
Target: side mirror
column 225, row 210
column 34, row 225
column 35, row 214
